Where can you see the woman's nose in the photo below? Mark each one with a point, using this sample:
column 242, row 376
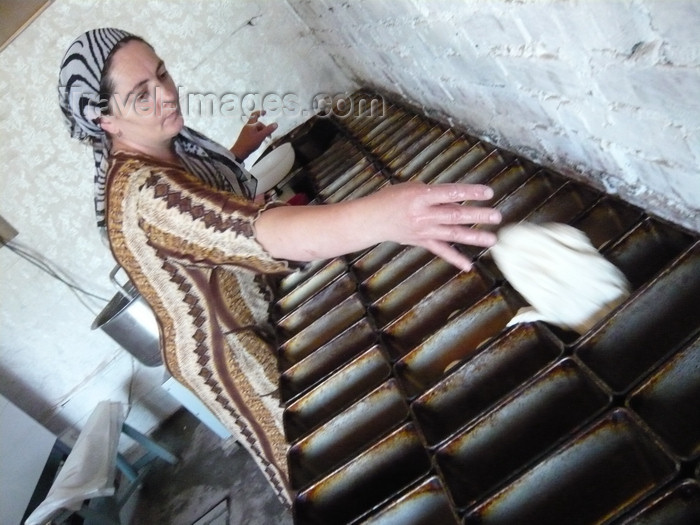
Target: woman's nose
column 166, row 95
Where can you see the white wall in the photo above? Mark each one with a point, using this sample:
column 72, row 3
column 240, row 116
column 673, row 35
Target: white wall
column 51, row 364
column 608, row 90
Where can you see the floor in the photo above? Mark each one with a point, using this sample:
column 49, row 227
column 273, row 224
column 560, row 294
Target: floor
column 215, row 482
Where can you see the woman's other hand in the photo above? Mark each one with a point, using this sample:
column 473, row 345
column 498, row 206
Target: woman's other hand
column 430, row 216
column 252, row 136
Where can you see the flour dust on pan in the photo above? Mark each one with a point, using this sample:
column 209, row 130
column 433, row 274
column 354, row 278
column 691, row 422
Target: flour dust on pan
column 560, row 274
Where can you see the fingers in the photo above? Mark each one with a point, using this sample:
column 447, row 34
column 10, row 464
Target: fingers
column 255, row 115
column 450, row 255
column 459, row 214
column 455, row 192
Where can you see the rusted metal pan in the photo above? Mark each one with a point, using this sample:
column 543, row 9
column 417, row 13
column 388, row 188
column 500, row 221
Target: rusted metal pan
column 431, row 151
column 321, row 331
column 410, row 291
column 362, row 185
column 326, row 359
column 432, row 312
column 465, row 171
column 679, row 505
column 460, row 150
column 379, row 129
column 509, row 178
column 347, row 177
column 335, row 393
column 311, row 285
column 371, row 185
column 605, row 222
column 410, row 136
column 317, row 305
column 409, row 151
column 346, row 434
column 333, row 162
column 669, row 402
column 533, row 192
column 380, row 472
column 478, row 384
column 565, row 204
column 413, row 127
column 656, row 322
column 395, row 270
column 426, row 504
column 291, row 281
column 646, row 250
column 522, row 430
column 593, row 477
column 457, row 340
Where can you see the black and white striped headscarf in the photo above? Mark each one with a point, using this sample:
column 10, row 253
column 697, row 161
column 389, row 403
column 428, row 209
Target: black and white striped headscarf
column 78, row 96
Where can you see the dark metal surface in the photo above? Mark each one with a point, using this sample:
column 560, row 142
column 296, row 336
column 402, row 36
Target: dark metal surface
column 409, row 401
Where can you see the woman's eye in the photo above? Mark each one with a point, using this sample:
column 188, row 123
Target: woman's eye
column 163, row 74
column 142, row 96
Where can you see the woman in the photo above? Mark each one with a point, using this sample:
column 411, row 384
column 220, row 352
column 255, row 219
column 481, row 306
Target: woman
column 181, row 221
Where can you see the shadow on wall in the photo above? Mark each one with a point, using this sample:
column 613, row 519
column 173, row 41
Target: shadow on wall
column 28, row 399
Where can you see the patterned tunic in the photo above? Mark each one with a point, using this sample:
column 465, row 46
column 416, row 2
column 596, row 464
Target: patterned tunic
column 191, row 252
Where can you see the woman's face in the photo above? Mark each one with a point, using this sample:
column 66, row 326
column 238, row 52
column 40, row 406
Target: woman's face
column 144, row 108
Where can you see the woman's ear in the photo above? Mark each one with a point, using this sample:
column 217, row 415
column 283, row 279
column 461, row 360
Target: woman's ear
column 108, row 124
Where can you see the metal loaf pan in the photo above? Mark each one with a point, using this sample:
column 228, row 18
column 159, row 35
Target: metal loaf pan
column 410, row 291
column 394, row 271
column 419, row 162
column 461, row 150
column 322, row 330
column 310, row 286
column 360, row 189
column 478, row 384
column 669, row 402
column 409, row 151
column 509, row 178
column 384, row 470
column 520, row 431
column 565, row 204
column 459, row 339
column 433, row 311
column 374, row 259
column 464, row 170
column 338, row 351
column 608, row 468
column 393, row 149
column 317, row 305
column 387, row 147
column 679, row 505
column 426, row 504
column 650, row 326
column 346, row 434
column 647, row 249
column 335, row 393
column 362, row 168
column 605, row 222
column 520, row 202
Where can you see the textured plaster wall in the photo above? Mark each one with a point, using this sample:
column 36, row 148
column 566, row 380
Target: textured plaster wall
column 52, row 364
column 605, row 90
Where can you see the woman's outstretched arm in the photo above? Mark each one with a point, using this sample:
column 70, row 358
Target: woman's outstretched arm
column 429, row 216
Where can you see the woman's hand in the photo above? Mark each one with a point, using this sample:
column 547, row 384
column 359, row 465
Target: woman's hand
column 435, row 216
column 429, row 216
column 252, row 136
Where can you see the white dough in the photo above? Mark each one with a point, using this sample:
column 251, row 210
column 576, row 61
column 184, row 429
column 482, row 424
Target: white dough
column 559, row 273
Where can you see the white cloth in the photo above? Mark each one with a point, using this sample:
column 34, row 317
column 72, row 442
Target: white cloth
column 89, row 468
column 559, row 273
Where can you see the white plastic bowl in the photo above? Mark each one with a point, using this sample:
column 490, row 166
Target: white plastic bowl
column 273, row 167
